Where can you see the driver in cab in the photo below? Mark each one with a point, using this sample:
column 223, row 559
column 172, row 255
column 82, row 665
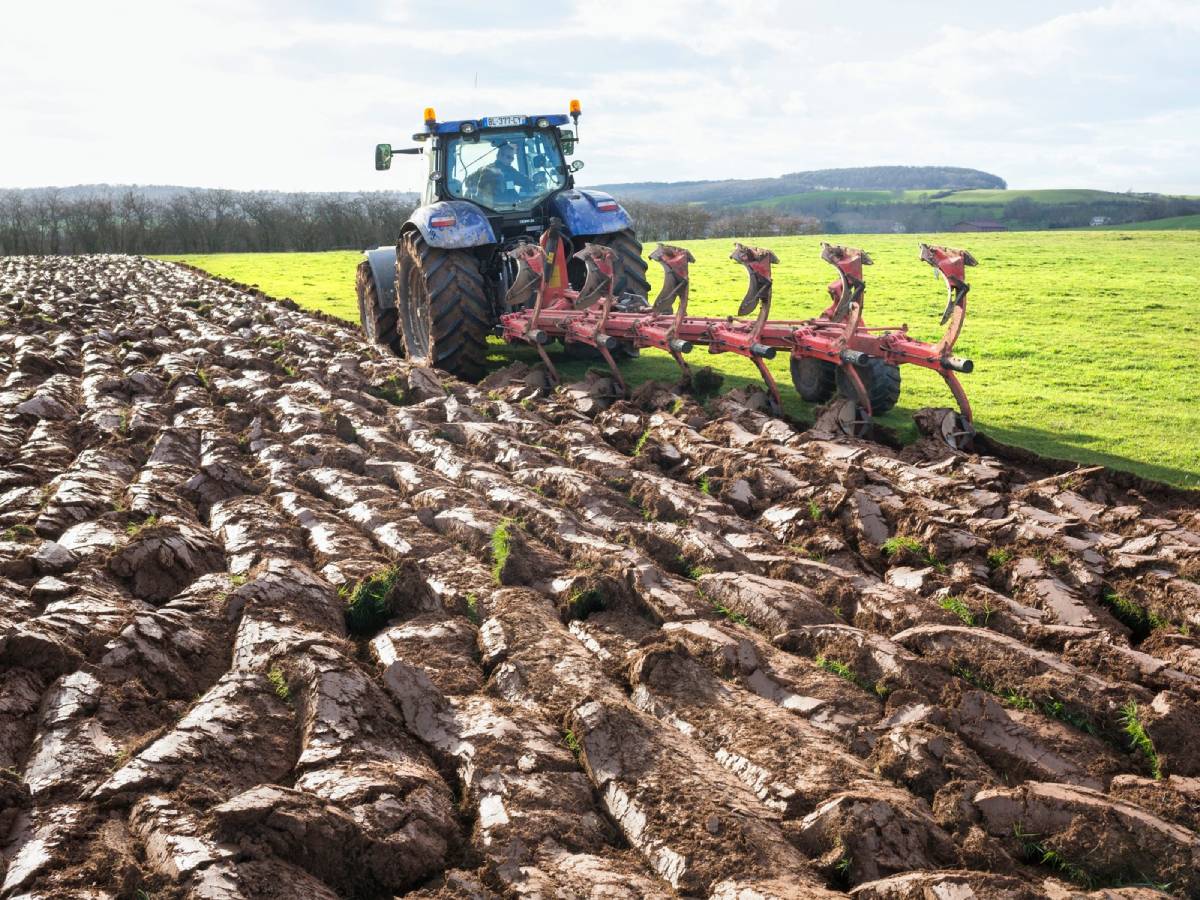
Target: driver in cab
column 502, row 181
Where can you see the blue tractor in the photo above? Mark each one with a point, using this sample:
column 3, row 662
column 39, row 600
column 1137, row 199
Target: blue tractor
column 493, row 184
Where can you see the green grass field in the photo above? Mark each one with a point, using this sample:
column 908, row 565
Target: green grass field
column 1086, row 344
column 1175, row 223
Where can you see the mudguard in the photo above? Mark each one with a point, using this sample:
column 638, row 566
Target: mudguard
column 581, row 212
column 470, row 227
column 383, row 270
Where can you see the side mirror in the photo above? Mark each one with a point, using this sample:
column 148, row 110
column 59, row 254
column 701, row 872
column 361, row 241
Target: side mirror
column 576, row 166
column 568, row 144
column 383, row 157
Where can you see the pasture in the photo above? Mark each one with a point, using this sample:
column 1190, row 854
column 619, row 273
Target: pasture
column 1086, row 344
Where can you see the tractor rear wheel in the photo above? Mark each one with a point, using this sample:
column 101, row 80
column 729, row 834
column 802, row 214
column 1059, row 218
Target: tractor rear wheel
column 378, row 324
column 443, row 307
column 815, row 379
column 629, row 268
column 882, row 381
column 629, row 274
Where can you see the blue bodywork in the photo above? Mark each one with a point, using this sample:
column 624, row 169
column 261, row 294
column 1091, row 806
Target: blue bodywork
column 581, row 213
column 470, row 229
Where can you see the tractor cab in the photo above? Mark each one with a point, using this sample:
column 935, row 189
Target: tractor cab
column 503, row 164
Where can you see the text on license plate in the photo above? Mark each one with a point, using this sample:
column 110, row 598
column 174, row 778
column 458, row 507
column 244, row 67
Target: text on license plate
column 502, row 121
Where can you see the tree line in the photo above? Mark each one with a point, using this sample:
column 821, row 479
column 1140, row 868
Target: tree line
column 195, row 220
column 689, row 222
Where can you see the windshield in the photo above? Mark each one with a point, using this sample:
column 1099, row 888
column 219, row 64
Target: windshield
column 505, row 169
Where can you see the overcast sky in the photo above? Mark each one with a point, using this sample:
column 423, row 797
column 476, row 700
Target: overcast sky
column 293, row 95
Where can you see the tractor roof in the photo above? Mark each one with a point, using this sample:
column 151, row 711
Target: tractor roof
column 455, row 126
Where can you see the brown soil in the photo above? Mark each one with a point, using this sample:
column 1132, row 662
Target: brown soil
column 632, row 649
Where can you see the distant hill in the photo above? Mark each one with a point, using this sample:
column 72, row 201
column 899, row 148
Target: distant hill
column 741, row 191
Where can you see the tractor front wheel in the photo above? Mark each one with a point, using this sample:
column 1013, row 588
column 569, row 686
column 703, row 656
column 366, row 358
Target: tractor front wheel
column 882, row 381
column 444, row 314
column 378, row 324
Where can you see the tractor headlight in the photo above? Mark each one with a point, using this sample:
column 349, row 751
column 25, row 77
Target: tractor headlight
column 467, row 128
column 542, row 123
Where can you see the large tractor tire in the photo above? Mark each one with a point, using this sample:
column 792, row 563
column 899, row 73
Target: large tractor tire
column 444, row 314
column 378, row 324
column 629, row 271
column 815, row 380
column 882, row 381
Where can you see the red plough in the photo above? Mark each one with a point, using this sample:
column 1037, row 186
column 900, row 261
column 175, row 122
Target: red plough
column 833, row 352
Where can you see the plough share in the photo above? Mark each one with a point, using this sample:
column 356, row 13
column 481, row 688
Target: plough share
column 836, row 350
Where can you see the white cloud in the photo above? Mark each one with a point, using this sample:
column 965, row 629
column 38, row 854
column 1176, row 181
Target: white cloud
column 294, row 95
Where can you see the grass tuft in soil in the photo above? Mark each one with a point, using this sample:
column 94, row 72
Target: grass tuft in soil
column 955, row 605
column 997, row 557
column 736, row 617
column 1139, row 740
column 1137, row 618
column 1038, row 853
column 842, row 670
column 501, row 548
column 279, row 683
column 572, row 742
column 641, row 443
column 19, row 533
column 133, row 529
column 370, row 603
column 583, row 603
column 901, row 544
column 390, row 391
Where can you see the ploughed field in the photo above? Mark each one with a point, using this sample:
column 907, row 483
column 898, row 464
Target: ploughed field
column 286, row 617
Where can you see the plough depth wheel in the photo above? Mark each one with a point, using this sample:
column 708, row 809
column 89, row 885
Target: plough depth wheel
column 814, row 379
column 881, row 379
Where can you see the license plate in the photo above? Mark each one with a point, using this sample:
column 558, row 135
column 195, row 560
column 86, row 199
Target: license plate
column 504, row 121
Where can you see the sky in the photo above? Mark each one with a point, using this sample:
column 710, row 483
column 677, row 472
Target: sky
column 266, row 94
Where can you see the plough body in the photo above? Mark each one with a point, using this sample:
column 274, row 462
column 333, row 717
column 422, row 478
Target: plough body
column 544, row 309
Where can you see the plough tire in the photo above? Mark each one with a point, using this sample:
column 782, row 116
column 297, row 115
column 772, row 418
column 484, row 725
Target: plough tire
column 882, row 381
column 378, row 324
column 444, row 314
column 815, row 380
